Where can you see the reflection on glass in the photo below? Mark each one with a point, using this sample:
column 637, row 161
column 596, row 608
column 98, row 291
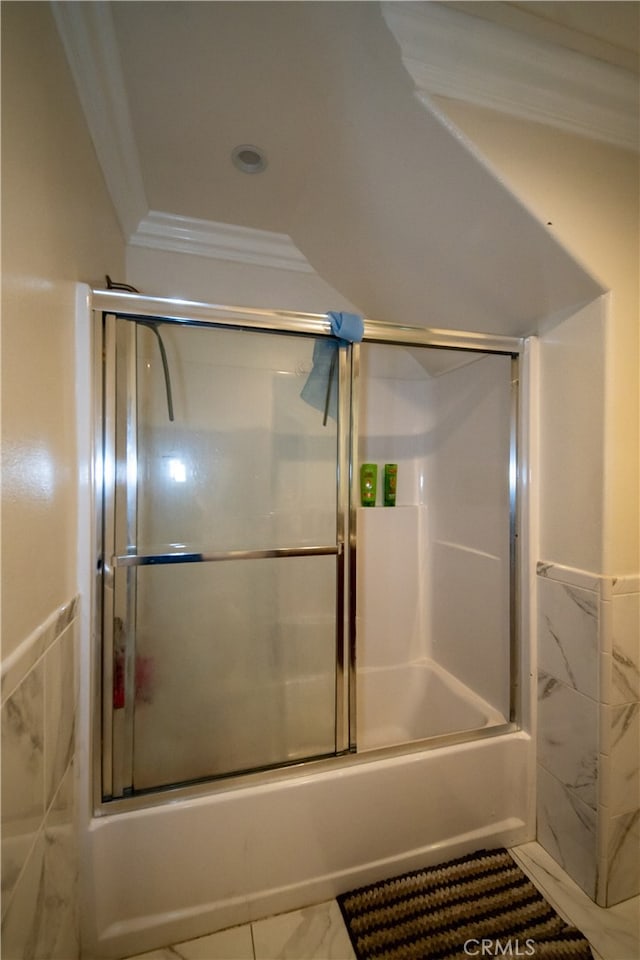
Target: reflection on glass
column 246, row 464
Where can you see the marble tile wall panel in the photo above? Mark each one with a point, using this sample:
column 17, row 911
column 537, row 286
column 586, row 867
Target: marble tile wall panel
column 57, row 924
column 23, row 749
column 20, row 920
column 60, row 712
column 624, row 759
column 39, row 860
column 568, row 719
column 625, row 630
column 568, row 635
column 620, row 726
column 15, row 667
column 41, row 921
column 589, row 644
column 22, row 776
column 568, row 575
column 567, row 830
column 623, row 860
column 568, row 737
column 621, row 585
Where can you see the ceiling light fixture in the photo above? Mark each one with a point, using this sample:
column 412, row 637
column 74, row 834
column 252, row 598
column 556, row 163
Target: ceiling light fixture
column 249, row 159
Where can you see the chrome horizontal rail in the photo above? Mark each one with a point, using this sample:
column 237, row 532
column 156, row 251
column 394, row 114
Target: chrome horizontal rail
column 405, row 336
column 133, row 306
column 193, row 313
column 159, row 559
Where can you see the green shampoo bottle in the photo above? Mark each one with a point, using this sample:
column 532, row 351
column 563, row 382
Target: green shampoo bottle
column 368, row 484
column 390, row 482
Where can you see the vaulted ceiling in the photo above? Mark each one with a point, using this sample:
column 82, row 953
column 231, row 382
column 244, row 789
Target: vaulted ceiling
column 376, row 191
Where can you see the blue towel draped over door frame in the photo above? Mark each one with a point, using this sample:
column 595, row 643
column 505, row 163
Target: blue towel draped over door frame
column 321, row 387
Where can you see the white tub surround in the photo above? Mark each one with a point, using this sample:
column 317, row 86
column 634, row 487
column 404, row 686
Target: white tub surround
column 589, row 728
column 416, row 701
column 39, row 857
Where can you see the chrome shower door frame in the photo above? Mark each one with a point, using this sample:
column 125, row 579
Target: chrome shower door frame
column 113, row 563
column 118, row 586
column 116, row 569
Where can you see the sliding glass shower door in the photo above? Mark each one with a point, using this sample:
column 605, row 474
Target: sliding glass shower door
column 224, row 612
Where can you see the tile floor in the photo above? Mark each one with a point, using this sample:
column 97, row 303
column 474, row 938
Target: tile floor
column 318, row 932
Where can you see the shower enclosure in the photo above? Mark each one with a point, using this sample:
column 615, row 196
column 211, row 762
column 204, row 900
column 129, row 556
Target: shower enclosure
column 252, row 616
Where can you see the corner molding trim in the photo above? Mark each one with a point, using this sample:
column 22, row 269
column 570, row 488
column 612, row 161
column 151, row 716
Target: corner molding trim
column 454, row 54
column 220, row 241
column 88, row 35
column 89, row 40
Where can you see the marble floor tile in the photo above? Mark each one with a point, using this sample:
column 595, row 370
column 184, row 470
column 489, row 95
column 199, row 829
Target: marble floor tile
column 166, row 953
column 315, row 933
column 233, row 944
column 614, row 933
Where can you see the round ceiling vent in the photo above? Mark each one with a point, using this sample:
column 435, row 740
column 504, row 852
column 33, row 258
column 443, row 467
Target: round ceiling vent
column 248, row 158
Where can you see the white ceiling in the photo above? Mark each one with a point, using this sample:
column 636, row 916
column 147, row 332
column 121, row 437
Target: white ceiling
column 381, row 197
column 203, row 77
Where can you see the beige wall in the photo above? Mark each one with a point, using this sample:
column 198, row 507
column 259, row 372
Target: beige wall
column 588, row 193
column 58, row 226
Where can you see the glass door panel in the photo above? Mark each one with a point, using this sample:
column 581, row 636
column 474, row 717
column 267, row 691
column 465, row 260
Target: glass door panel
column 446, row 552
column 235, row 667
column 228, row 588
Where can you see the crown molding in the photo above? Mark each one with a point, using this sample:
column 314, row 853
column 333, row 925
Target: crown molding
column 458, row 55
column 88, row 36
column 220, row 241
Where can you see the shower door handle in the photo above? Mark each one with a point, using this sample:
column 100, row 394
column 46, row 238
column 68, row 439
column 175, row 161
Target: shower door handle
column 159, row 559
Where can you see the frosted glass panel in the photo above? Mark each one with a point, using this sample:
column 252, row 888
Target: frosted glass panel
column 225, row 666
column 235, row 667
column 246, row 464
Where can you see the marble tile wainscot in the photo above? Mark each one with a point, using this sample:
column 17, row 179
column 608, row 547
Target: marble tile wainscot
column 39, row 860
column 589, row 728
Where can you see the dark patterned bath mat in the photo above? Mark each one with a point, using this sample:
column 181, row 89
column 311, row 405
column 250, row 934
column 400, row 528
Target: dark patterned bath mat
column 477, row 906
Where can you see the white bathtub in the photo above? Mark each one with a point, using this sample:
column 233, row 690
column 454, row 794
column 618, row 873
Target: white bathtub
column 186, row 868
column 415, row 701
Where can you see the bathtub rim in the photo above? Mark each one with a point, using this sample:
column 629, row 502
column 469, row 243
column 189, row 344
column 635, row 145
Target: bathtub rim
column 296, row 770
